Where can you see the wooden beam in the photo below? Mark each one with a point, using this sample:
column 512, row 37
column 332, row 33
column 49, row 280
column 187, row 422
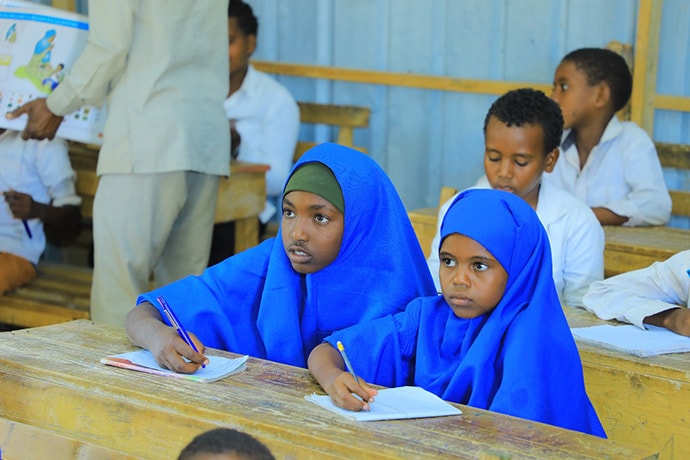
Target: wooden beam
column 68, row 5
column 463, row 85
column 646, row 63
column 667, row 102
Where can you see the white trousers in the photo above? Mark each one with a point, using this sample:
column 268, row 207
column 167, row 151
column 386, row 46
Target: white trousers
column 148, row 223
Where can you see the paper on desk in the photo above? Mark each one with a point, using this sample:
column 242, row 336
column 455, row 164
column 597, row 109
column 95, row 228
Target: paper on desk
column 393, row 403
column 218, row 367
column 633, row 340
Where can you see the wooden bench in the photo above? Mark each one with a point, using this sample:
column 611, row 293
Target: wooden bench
column 345, row 117
column 676, row 156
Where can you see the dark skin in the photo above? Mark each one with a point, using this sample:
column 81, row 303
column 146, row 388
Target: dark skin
column 676, row 320
column 62, row 223
column 42, row 123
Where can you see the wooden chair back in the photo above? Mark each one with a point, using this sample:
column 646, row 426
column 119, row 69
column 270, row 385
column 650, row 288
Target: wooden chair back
column 84, row 159
column 345, row 117
column 676, row 156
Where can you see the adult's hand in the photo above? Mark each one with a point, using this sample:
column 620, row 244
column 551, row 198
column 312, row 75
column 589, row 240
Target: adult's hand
column 42, row 123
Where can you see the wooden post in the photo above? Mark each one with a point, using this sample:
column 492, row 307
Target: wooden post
column 646, row 63
column 64, row 4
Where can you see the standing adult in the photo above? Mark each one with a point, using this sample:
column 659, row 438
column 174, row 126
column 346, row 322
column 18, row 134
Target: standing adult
column 161, row 66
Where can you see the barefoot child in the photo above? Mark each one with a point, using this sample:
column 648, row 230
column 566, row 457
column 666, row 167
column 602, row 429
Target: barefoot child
column 496, row 339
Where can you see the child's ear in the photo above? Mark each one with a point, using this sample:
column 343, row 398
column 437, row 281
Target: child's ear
column 251, row 44
column 603, row 95
column 551, row 159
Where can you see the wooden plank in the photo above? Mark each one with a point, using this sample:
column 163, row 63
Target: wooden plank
column 56, row 368
column 670, row 102
column 673, row 155
column 680, row 202
column 31, row 443
column 641, row 401
column 68, row 5
column 330, row 114
column 424, row 225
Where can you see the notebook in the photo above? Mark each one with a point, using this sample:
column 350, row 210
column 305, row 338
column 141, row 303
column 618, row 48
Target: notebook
column 393, row 403
column 633, row 340
column 218, row 367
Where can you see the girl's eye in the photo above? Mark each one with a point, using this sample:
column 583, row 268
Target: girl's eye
column 288, row 213
column 480, row 266
column 564, row 86
column 321, row 219
column 448, row 262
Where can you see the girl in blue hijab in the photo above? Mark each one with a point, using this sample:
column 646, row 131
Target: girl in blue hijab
column 495, row 339
column 345, row 253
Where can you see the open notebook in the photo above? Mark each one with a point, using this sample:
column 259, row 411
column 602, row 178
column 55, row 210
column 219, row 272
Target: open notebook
column 633, row 340
column 393, row 403
column 218, row 367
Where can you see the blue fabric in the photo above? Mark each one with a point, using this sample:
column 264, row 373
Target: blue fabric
column 519, row 359
column 255, row 303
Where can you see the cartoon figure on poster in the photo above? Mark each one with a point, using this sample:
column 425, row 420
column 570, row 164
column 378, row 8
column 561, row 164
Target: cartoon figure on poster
column 39, row 69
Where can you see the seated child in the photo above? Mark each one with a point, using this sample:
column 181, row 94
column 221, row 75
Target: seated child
column 264, row 120
column 225, row 444
column 521, row 133
column 345, row 253
column 37, row 182
column 609, row 164
column 496, row 339
column 658, row 295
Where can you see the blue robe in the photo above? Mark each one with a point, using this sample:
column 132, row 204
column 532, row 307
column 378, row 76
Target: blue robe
column 519, row 359
column 255, row 303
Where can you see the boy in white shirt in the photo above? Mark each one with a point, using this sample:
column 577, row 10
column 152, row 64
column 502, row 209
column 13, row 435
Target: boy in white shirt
column 658, row 295
column 38, row 186
column 522, row 131
column 264, row 120
column 609, row 164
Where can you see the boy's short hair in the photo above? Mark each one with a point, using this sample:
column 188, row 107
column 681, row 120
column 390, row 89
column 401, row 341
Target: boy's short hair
column 225, row 440
column 246, row 20
column 603, row 65
column 526, row 106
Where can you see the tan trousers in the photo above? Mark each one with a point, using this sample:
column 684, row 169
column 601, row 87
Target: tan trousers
column 15, row 271
column 143, row 224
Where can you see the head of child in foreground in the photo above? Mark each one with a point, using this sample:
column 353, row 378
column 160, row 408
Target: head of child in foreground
column 313, row 218
column 225, row 444
column 243, row 28
column 492, row 245
column 591, row 83
column 522, row 132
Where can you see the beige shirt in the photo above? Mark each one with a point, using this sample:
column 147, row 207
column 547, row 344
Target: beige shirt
column 162, row 68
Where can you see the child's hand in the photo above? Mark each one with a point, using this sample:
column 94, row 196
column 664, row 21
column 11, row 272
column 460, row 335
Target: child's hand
column 170, row 351
column 21, row 205
column 342, row 387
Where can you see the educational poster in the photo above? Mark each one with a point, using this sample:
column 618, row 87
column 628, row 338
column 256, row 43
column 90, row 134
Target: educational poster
column 38, row 44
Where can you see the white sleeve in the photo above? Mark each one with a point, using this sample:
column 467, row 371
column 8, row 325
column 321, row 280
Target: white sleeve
column 635, row 295
column 584, row 257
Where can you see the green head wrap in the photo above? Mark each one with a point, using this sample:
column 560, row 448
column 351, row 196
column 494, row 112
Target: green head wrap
column 317, row 178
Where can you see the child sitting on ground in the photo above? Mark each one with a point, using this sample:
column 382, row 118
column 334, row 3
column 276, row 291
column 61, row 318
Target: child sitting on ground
column 658, row 295
column 496, row 339
column 38, row 185
column 522, row 131
column 345, row 253
column 225, row 444
column 609, row 164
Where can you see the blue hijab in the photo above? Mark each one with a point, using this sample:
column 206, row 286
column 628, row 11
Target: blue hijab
column 518, row 359
column 255, row 303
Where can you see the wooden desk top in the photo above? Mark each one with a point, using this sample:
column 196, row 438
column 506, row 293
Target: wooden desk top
column 641, row 401
column 659, row 242
column 51, row 378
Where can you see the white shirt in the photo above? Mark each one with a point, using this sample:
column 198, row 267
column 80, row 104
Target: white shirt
column 575, row 237
column 38, row 168
column 622, row 174
column 163, row 67
column 267, row 120
column 635, row 295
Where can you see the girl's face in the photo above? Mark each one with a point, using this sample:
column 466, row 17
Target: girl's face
column 472, row 280
column 312, row 231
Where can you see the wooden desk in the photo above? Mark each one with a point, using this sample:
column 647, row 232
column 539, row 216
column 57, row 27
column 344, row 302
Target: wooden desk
column 626, row 248
column 640, row 401
column 51, row 379
column 630, row 248
column 241, row 197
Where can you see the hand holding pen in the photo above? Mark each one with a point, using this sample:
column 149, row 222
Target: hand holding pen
column 363, row 386
column 175, row 323
column 21, row 205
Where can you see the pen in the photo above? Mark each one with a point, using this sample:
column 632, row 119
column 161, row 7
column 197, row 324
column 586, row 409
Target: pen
column 176, row 324
column 28, row 232
column 341, row 349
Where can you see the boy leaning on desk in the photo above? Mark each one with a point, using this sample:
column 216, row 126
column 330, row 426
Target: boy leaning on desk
column 658, row 295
